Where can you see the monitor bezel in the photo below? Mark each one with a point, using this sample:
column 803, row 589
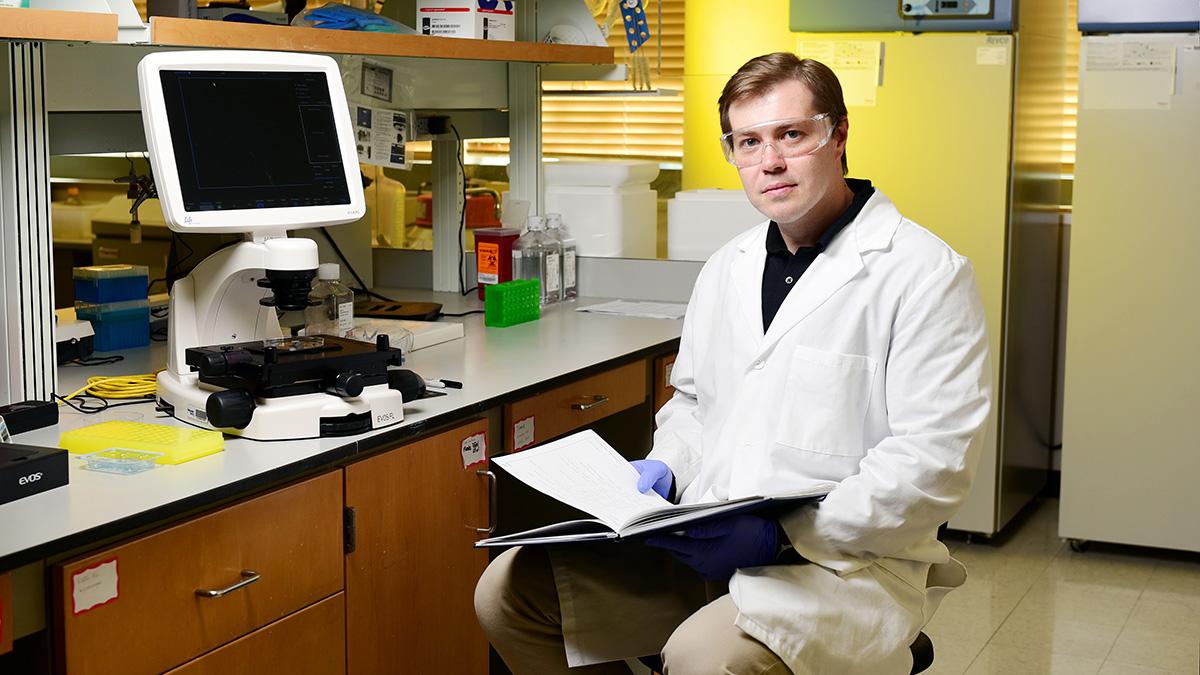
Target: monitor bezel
column 162, row 150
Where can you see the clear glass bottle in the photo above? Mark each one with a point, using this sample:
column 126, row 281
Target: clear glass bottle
column 537, row 256
column 333, row 313
column 566, row 243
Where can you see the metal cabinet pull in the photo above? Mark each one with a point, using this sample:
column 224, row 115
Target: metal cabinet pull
column 248, row 577
column 491, row 501
column 597, row 401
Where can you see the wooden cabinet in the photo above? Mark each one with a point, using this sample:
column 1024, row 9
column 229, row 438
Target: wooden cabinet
column 410, row 580
column 663, row 391
column 573, row 406
column 6, row 613
column 140, row 607
column 309, row 642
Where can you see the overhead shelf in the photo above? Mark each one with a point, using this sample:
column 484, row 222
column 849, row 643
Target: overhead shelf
column 167, row 31
column 18, row 23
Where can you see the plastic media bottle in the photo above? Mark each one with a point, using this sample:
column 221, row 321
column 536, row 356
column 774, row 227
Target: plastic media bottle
column 536, row 256
column 334, row 312
column 566, row 242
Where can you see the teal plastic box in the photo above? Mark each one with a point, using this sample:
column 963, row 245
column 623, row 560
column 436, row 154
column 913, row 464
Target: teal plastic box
column 118, row 325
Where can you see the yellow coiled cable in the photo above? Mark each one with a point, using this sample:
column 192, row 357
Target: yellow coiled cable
column 119, row 386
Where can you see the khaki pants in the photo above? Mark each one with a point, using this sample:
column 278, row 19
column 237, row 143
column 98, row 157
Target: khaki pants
column 599, row 604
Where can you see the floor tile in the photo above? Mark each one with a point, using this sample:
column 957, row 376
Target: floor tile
column 1147, row 648
column 1167, row 613
column 1075, row 601
column 1177, row 577
column 1016, row 660
column 1031, row 628
column 1110, row 668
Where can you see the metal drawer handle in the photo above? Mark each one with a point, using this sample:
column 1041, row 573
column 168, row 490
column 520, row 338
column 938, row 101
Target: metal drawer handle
column 491, row 502
column 597, row 401
column 248, row 577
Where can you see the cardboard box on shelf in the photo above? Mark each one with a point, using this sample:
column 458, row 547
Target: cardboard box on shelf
column 480, row 19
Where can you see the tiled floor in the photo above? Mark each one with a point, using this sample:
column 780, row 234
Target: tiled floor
column 1033, row 606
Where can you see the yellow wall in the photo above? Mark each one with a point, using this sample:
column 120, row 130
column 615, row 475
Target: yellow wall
column 721, row 36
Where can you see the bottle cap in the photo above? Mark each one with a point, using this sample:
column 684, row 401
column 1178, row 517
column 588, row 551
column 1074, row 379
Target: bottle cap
column 329, row 272
column 554, row 221
column 536, row 223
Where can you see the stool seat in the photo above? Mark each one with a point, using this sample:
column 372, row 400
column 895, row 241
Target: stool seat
column 921, row 648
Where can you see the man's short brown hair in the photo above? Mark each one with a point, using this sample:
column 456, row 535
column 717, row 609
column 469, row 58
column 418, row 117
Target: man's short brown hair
column 758, row 75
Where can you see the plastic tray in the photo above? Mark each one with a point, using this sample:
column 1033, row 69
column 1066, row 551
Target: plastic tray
column 177, row 444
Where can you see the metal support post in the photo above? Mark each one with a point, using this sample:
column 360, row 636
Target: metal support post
column 27, row 367
column 447, row 213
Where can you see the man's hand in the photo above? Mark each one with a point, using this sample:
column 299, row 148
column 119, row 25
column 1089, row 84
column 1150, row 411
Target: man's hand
column 653, row 474
column 718, row 548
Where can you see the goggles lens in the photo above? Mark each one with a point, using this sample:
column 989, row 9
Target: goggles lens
column 789, row 138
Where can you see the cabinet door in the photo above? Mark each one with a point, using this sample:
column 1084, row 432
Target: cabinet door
column 410, row 581
column 309, row 642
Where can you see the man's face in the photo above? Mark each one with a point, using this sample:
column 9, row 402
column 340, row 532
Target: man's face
column 786, row 190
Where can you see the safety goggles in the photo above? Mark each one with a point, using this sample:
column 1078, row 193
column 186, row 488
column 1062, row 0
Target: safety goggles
column 792, row 137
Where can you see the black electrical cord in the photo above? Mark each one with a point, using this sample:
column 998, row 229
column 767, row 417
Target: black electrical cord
column 96, row 360
column 474, row 311
column 354, row 273
column 88, row 409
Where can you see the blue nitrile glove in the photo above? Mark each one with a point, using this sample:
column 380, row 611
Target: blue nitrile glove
column 655, row 474
column 718, row 548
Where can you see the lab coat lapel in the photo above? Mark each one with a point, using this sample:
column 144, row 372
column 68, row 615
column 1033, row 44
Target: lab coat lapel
column 746, row 276
column 831, row 270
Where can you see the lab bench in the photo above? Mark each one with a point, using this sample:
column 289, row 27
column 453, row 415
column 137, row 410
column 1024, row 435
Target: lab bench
column 329, row 555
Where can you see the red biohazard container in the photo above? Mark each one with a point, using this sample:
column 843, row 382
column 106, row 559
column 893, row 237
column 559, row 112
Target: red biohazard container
column 493, row 255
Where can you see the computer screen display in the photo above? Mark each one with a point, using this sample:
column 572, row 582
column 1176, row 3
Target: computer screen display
column 253, row 140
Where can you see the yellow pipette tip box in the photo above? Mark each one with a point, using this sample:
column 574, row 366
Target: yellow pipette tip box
column 177, row 444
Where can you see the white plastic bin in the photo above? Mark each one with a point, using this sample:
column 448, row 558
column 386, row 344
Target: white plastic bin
column 701, row 221
column 607, row 206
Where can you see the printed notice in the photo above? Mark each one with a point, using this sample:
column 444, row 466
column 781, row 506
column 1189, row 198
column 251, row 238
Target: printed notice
column 94, row 586
column 856, row 62
column 380, row 135
column 377, row 81
column 474, row 449
column 487, row 256
column 991, row 56
column 1122, row 74
column 523, row 433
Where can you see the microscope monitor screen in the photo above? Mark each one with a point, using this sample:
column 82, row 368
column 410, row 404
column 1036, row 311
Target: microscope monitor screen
column 249, row 142
column 253, row 140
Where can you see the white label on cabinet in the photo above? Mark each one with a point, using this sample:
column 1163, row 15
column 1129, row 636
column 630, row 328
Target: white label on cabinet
column 991, row 56
column 523, row 433
column 94, row 586
column 474, row 449
column 667, row 374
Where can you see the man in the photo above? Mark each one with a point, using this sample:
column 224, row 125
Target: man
column 836, row 342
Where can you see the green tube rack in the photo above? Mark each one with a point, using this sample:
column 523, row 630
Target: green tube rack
column 512, row 302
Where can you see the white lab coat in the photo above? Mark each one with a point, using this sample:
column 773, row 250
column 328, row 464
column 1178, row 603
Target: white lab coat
column 874, row 374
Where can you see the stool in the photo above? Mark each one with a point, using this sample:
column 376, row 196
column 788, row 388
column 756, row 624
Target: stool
column 921, row 648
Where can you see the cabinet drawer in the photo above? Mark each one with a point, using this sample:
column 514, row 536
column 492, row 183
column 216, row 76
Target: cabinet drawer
column 573, row 406
column 147, row 589
column 309, row 642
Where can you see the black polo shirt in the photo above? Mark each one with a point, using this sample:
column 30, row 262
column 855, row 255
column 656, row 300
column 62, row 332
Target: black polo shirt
column 784, row 268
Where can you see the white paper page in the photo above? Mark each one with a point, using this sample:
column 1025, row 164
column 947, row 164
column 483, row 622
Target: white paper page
column 649, row 310
column 1127, row 74
column 583, row 471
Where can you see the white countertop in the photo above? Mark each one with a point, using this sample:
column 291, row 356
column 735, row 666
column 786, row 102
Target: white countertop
column 492, row 363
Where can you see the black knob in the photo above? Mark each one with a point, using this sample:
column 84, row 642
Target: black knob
column 212, row 364
column 231, row 408
column 346, row 385
column 410, row 385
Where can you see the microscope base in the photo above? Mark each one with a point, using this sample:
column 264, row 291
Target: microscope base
column 289, row 417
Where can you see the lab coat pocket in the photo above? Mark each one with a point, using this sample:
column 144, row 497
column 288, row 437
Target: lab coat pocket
column 825, row 402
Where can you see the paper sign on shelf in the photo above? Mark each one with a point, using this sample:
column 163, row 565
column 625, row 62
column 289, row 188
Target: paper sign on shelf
column 94, row 586
column 380, row 136
column 474, row 449
column 523, row 433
